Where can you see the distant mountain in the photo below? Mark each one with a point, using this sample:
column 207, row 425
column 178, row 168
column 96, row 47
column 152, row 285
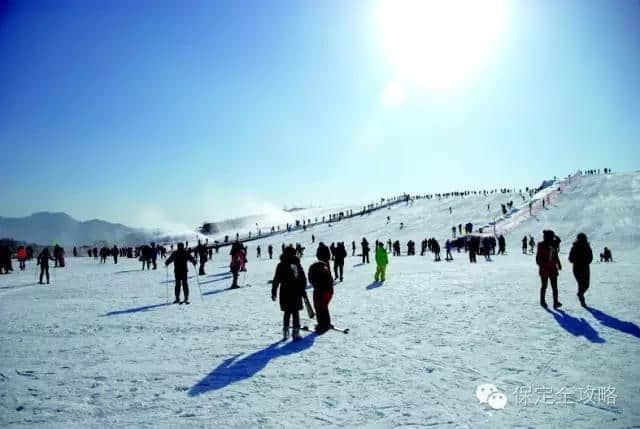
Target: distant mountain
column 47, row 228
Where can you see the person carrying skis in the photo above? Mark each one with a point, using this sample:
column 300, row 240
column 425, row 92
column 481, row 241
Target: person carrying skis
column 43, row 261
column 549, row 266
column 320, row 278
column 179, row 258
column 382, row 260
column 581, row 256
column 290, row 277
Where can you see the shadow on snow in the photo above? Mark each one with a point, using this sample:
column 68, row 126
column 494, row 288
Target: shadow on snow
column 576, row 327
column 135, row 310
column 233, row 369
column 612, row 322
column 375, row 285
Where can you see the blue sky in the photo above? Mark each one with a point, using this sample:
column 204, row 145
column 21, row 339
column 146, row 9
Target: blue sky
column 149, row 111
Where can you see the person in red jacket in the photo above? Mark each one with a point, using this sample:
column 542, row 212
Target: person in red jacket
column 320, row 278
column 549, row 263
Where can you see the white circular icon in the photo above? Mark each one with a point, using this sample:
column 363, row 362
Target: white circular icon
column 497, row 400
column 484, row 390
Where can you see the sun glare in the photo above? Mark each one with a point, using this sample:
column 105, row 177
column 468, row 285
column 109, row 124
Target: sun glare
column 437, row 44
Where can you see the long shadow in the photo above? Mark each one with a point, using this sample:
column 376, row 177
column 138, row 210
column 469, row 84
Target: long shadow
column 226, row 273
column 129, row 271
column 18, row 286
column 576, row 327
column 233, row 369
column 612, row 322
column 216, row 280
column 173, row 280
column 375, row 285
column 135, row 310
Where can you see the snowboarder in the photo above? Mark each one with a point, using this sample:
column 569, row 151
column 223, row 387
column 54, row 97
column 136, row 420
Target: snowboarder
column 290, row 277
column 320, row 278
column 581, row 256
column 549, row 263
column 382, row 260
column 179, row 258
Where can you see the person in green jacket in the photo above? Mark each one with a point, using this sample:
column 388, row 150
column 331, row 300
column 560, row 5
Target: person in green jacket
column 381, row 261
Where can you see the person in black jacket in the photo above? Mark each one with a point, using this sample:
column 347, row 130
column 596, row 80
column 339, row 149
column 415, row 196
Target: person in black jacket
column 290, row 277
column 581, row 256
column 323, row 253
column 338, row 263
column 180, row 258
column 203, row 254
column 365, row 250
column 43, row 261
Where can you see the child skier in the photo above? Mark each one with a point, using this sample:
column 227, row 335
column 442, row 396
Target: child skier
column 290, row 277
column 382, row 260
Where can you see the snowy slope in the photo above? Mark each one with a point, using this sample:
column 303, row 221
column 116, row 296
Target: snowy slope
column 101, row 348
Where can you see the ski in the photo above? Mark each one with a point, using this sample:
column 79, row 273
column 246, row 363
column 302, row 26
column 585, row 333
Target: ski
column 344, row 331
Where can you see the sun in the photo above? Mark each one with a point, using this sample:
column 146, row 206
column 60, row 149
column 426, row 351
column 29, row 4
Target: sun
column 437, row 44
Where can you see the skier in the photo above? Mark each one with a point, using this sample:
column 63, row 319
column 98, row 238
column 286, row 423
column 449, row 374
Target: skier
column 75, row 252
column 365, row 250
column 21, row 255
column 435, row 248
column 581, row 256
column 238, row 260
column 154, row 255
column 448, row 247
column 270, row 250
column 179, row 258
column 320, row 278
column 290, row 277
column 453, row 230
column 258, row 252
column 338, row 262
column 43, row 261
column 606, row 255
column 382, row 260
column 502, row 245
column 532, row 243
column 203, row 254
column 549, row 263
column 524, row 245
column 114, row 252
column 104, row 252
column 353, row 248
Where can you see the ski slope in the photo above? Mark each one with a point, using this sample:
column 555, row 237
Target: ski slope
column 100, row 347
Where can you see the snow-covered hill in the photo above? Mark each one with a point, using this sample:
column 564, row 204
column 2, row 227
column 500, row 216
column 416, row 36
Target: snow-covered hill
column 100, row 347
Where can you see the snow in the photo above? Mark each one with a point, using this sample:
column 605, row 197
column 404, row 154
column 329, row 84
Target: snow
column 100, row 347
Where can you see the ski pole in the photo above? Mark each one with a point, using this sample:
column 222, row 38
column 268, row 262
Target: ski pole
column 199, row 288
column 167, row 281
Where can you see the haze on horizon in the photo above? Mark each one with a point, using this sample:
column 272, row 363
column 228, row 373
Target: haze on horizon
column 148, row 112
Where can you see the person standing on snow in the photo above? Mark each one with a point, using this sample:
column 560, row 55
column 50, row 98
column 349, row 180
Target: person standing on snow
column 203, row 254
column 238, row 260
column 179, row 258
column 270, row 250
column 115, row 252
column 382, row 260
column 320, row 278
column 549, row 263
column 524, row 245
column 365, row 250
column 43, row 261
column 290, row 277
column 338, row 262
column 581, row 256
